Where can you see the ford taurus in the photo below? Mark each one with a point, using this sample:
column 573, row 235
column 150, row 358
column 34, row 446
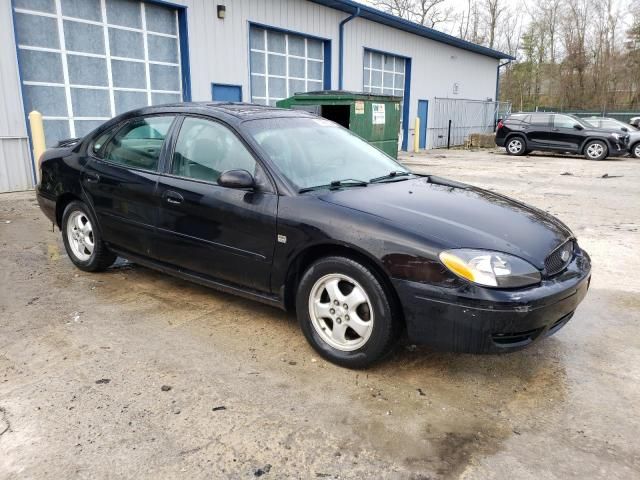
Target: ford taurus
column 295, row 211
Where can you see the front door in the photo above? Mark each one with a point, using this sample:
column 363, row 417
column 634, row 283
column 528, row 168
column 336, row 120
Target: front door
column 423, row 112
column 564, row 135
column 223, row 233
column 120, row 180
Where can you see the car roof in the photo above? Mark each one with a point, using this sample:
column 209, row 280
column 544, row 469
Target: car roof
column 233, row 112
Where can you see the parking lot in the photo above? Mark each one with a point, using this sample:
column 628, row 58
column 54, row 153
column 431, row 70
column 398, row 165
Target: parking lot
column 131, row 373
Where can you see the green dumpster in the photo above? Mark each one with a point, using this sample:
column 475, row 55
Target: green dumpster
column 375, row 118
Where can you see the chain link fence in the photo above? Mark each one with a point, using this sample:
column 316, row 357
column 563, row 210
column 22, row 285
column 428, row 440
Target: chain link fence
column 453, row 120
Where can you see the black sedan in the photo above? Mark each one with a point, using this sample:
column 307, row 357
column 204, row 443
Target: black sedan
column 295, row 211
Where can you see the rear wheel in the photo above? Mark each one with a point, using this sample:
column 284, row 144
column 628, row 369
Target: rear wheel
column 82, row 239
column 345, row 312
column 635, row 150
column 596, row 150
column 515, row 146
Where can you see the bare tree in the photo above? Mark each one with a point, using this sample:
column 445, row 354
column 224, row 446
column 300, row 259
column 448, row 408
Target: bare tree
column 493, row 12
column 425, row 12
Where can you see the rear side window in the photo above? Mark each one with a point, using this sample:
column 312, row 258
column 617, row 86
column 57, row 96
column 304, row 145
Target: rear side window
column 139, row 143
column 518, row 118
column 540, row 119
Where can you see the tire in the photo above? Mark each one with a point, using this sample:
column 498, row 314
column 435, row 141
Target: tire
column 635, row 150
column 82, row 239
column 365, row 331
column 516, row 146
column 595, row 150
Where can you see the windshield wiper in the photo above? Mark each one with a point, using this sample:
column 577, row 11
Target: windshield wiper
column 394, row 174
column 347, row 182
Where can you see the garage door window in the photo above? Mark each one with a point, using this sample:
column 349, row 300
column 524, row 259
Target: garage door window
column 85, row 61
column 283, row 64
column 383, row 74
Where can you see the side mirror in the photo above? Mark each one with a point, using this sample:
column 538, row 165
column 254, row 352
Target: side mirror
column 577, row 126
column 236, row 179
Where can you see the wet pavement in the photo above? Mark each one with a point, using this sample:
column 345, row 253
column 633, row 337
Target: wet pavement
column 131, row 373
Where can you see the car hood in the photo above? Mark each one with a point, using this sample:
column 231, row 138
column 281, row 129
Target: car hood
column 455, row 215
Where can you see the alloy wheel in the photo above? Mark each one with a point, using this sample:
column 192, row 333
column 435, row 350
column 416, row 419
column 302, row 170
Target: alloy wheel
column 80, row 235
column 341, row 312
column 595, row 150
column 515, row 146
column 636, row 151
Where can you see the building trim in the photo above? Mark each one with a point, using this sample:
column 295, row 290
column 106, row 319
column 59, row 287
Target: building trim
column 34, row 177
column 378, row 16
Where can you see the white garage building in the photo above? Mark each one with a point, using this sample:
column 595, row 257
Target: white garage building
column 80, row 62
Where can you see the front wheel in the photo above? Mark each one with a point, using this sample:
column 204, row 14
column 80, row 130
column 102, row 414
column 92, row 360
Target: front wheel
column 345, row 312
column 82, row 239
column 515, row 146
column 635, row 150
column 596, row 150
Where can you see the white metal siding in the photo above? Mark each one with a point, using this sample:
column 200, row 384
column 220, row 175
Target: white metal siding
column 435, row 66
column 219, row 49
column 15, row 159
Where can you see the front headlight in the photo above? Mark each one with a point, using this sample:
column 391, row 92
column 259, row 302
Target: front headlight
column 617, row 136
column 491, row 269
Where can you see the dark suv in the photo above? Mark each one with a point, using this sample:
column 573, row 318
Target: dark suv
column 521, row 133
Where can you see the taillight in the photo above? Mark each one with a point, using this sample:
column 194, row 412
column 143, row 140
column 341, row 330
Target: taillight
column 500, row 125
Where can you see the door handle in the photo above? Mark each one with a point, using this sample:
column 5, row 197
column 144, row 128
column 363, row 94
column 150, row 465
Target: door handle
column 92, row 177
column 556, row 130
column 173, row 197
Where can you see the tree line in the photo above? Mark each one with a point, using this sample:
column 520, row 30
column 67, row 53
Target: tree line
column 570, row 54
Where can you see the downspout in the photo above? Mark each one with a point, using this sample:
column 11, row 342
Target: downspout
column 495, row 118
column 341, row 46
column 498, row 78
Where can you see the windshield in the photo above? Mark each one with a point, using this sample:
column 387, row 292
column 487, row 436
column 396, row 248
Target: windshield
column 314, row 152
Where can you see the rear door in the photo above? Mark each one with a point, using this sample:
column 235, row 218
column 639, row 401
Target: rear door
column 220, row 232
column 538, row 130
column 564, row 135
column 120, row 180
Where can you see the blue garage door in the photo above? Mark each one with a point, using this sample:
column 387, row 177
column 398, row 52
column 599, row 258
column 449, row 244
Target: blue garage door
column 85, row 61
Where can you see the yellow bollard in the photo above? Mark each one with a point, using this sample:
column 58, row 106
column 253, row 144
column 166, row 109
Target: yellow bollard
column 37, row 138
column 416, row 136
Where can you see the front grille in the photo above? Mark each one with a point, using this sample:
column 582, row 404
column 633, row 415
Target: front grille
column 558, row 260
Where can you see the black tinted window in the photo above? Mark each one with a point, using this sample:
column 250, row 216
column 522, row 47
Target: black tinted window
column 138, row 144
column 205, row 149
column 518, row 117
column 540, row 119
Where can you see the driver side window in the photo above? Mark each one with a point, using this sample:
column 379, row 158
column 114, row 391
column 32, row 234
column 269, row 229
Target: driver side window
column 205, row 149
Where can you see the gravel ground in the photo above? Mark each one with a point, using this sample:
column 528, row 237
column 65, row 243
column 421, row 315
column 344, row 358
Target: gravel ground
column 134, row 374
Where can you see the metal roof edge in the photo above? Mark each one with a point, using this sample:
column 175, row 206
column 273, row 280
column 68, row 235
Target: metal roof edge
column 378, row 16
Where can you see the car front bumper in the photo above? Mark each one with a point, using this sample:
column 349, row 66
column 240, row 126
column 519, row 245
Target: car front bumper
column 473, row 319
column 618, row 147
